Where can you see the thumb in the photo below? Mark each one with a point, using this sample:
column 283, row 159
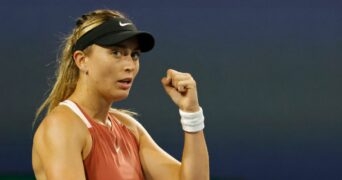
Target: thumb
column 167, row 80
column 166, row 84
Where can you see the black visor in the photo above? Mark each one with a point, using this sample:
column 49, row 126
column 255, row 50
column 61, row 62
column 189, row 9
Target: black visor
column 112, row 32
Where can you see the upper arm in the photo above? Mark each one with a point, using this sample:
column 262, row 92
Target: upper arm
column 59, row 143
column 156, row 163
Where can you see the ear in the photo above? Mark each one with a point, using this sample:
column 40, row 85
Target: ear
column 80, row 60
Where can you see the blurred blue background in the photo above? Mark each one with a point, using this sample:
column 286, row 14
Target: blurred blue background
column 268, row 72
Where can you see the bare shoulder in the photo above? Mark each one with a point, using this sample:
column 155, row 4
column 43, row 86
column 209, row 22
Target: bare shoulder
column 61, row 118
column 58, row 123
column 59, row 135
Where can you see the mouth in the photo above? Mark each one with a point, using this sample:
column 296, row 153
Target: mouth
column 125, row 83
column 126, row 80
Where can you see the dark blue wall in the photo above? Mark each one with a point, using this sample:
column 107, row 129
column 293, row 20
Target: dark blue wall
column 269, row 77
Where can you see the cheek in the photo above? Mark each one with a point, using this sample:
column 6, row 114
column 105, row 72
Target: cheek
column 101, row 71
column 109, row 71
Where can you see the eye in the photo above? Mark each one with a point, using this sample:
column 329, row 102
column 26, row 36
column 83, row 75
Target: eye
column 117, row 53
column 135, row 55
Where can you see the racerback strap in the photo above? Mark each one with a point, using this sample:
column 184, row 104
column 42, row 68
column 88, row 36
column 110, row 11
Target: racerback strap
column 77, row 111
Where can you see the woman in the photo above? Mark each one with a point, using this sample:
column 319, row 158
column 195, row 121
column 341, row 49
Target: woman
column 82, row 137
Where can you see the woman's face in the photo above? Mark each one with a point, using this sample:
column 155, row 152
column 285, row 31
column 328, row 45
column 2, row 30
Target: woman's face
column 111, row 70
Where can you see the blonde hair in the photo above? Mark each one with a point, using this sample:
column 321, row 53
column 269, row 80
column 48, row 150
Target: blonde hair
column 67, row 73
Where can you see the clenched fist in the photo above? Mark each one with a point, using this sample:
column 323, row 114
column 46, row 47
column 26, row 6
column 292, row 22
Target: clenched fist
column 181, row 87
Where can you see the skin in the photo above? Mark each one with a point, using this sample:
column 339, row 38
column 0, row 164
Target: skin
column 61, row 157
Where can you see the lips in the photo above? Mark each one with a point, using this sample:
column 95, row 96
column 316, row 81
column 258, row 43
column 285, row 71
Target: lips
column 126, row 80
column 125, row 83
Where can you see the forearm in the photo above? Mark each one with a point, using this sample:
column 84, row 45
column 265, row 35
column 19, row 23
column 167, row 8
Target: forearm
column 195, row 159
column 181, row 87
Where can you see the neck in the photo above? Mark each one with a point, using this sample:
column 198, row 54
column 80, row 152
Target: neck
column 93, row 104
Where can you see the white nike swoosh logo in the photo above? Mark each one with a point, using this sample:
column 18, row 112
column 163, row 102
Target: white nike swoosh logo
column 117, row 149
column 124, row 24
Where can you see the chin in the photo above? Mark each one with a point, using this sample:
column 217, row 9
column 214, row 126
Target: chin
column 120, row 97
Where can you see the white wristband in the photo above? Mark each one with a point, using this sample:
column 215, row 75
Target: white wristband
column 192, row 121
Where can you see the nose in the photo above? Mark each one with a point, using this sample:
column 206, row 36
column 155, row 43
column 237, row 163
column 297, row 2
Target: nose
column 130, row 64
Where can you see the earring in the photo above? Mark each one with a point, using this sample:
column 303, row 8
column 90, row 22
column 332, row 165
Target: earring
column 87, row 72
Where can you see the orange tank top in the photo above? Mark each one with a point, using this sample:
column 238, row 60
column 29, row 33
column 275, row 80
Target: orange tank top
column 115, row 152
